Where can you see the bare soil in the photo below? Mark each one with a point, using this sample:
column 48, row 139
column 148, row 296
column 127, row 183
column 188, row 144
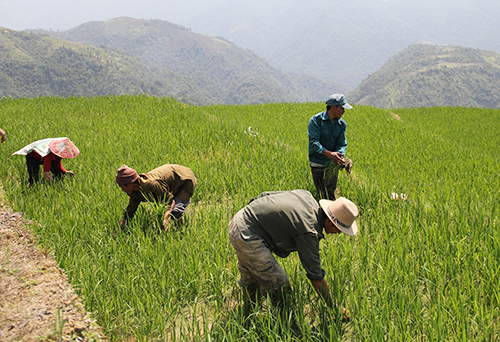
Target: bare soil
column 36, row 301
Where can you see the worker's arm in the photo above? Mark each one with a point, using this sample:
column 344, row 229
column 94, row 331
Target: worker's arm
column 167, row 215
column 129, row 214
column 321, row 288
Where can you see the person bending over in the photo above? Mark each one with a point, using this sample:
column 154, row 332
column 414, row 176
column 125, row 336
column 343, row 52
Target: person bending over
column 170, row 184
column 280, row 223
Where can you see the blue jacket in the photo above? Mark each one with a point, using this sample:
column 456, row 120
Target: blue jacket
column 325, row 135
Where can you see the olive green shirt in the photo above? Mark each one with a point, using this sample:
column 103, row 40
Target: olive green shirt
column 288, row 221
column 161, row 185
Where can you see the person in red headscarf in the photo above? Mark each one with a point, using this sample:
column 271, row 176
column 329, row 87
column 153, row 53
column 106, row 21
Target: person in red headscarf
column 49, row 153
column 170, row 183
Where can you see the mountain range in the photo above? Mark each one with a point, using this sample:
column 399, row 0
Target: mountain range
column 333, row 40
column 180, row 63
column 219, row 64
column 36, row 65
column 135, row 56
column 344, row 40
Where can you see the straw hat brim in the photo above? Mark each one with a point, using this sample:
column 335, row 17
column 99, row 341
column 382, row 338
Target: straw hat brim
column 352, row 230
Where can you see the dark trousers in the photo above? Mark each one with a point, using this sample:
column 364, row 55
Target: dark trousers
column 34, row 169
column 325, row 182
column 179, row 207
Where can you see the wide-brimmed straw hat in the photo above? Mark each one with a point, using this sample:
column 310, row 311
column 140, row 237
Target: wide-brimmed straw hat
column 343, row 213
column 64, row 148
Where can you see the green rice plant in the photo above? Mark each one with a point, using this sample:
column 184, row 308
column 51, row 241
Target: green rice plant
column 424, row 267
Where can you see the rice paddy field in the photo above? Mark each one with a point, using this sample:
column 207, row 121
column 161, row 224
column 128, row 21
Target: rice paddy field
column 425, row 265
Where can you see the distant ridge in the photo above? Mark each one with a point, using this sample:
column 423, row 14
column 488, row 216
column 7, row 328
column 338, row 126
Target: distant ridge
column 227, row 73
column 430, row 75
column 34, row 65
column 345, row 40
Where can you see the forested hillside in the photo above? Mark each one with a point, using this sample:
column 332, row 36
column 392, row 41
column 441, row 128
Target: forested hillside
column 228, row 73
column 34, row 65
column 429, row 75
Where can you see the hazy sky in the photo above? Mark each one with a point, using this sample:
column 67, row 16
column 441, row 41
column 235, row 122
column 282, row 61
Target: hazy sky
column 285, row 32
column 65, row 14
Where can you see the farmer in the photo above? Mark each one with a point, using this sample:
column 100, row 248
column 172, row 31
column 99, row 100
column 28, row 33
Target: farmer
column 168, row 183
column 2, row 134
column 282, row 222
column 49, row 153
column 327, row 144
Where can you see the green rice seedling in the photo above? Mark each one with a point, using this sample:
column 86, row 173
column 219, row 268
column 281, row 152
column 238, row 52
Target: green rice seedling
column 424, row 266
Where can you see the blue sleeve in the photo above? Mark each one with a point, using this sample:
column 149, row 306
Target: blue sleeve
column 314, row 132
column 341, row 144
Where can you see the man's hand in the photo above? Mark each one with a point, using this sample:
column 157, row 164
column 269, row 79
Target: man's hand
column 321, row 288
column 47, row 176
column 165, row 223
column 2, row 134
column 167, row 215
column 337, row 157
column 345, row 315
column 71, row 173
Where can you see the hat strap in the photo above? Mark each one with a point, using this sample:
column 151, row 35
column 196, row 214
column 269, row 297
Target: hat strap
column 336, row 219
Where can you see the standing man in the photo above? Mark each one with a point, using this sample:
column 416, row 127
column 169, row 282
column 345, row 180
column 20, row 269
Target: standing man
column 282, row 222
column 327, row 144
column 168, row 183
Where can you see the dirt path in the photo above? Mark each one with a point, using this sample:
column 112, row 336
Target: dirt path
column 36, row 301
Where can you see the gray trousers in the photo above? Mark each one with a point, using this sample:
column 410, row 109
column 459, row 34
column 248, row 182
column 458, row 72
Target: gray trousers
column 256, row 263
